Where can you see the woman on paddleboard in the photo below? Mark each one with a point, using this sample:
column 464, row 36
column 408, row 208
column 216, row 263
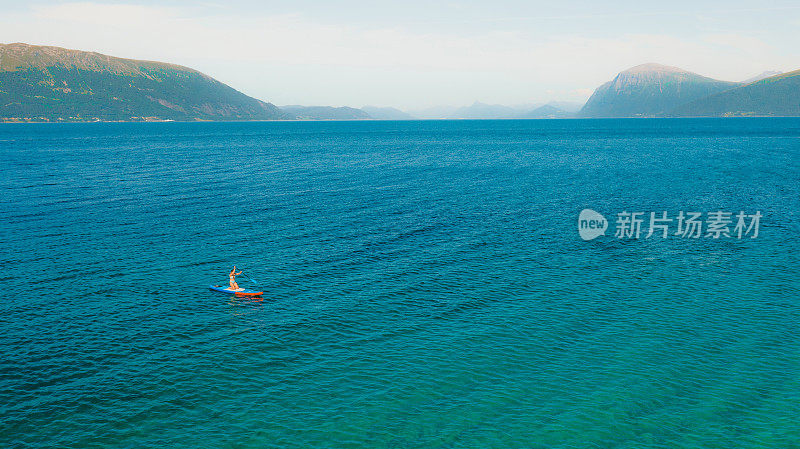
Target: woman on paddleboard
column 232, row 277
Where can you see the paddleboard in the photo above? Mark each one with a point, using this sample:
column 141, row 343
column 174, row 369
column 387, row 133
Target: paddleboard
column 240, row 292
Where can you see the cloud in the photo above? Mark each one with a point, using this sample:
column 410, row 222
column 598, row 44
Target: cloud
column 581, row 93
column 88, row 13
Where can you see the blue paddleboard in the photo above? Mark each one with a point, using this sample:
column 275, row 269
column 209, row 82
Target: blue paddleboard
column 240, row 292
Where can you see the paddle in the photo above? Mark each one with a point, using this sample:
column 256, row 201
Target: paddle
column 248, row 277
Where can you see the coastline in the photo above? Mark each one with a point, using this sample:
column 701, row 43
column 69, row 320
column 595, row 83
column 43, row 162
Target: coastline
column 397, row 120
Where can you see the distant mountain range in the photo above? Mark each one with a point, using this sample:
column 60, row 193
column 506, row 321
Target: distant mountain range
column 40, row 83
column 547, row 111
column 380, row 113
column 478, row 111
column 55, row 84
column 325, row 113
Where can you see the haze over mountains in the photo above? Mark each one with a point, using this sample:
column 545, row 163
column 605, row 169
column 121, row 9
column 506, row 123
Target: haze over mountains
column 386, row 113
column 40, row 83
column 761, row 76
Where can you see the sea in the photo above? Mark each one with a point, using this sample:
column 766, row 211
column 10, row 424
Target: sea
column 426, row 284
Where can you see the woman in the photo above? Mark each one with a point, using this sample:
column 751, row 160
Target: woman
column 232, row 277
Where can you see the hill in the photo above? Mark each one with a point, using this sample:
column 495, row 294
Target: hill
column 380, row 113
column 650, row 90
column 568, row 106
column 325, row 113
column 774, row 96
column 39, row 83
column 547, row 111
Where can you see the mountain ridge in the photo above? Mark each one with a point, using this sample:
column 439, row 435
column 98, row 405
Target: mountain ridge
column 547, row 111
column 325, row 112
column 19, row 56
column 761, row 76
column 387, row 113
column 649, row 90
column 46, row 83
column 775, row 96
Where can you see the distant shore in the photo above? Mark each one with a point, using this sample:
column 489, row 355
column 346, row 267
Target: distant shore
column 4, row 121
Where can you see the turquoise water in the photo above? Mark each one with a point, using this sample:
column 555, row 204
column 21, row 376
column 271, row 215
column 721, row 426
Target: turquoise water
column 425, row 285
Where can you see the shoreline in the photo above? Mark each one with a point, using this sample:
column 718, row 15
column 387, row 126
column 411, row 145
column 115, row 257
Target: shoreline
column 57, row 122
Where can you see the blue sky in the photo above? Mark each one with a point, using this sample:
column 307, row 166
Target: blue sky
column 415, row 54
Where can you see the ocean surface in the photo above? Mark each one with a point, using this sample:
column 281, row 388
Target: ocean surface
column 425, row 285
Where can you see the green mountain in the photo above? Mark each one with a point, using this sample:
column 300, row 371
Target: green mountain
column 650, row 90
column 325, row 113
column 774, row 96
column 40, row 83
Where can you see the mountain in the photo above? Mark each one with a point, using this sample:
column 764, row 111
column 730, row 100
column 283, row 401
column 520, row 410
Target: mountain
column 387, row 113
column 547, row 111
column 485, row 111
column 325, row 113
column 480, row 110
column 568, row 106
column 39, row 83
column 650, row 90
column 774, row 96
column 761, row 76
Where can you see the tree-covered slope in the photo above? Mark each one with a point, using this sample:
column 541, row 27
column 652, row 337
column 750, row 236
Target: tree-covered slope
column 650, row 90
column 774, row 96
column 50, row 83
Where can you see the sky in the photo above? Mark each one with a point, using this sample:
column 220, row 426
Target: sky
column 418, row 54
